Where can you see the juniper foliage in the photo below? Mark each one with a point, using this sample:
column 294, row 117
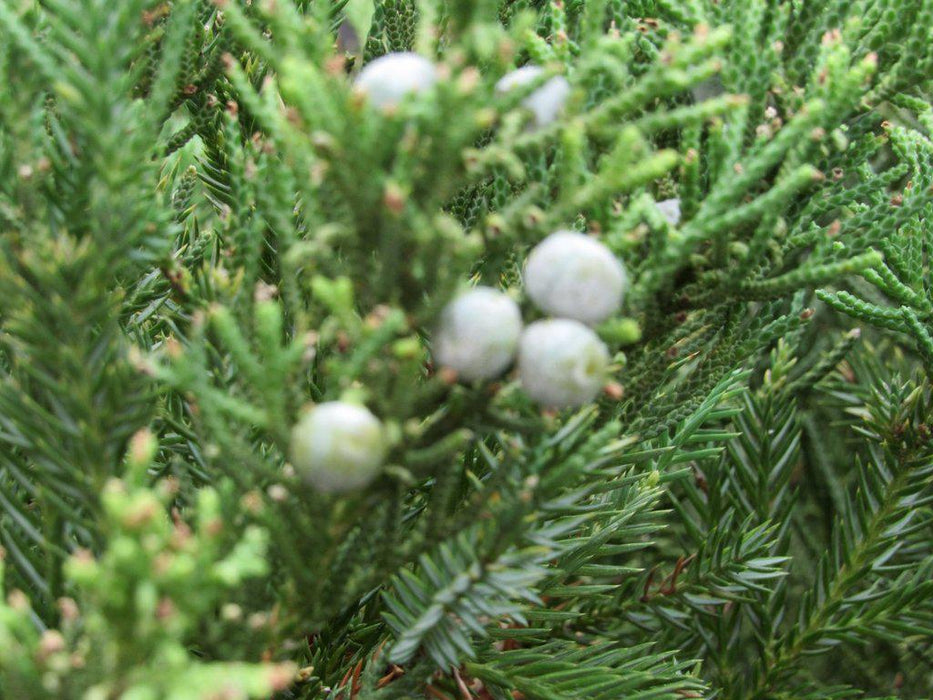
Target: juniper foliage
column 203, row 228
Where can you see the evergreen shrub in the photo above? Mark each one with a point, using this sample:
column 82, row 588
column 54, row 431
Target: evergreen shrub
column 261, row 436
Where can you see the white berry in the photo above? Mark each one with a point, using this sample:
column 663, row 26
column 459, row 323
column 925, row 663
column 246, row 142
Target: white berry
column 561, row 363
column 388, row 79
column 547, row 101
column 478, row 334
column 338, row 447
column 570, row 275
column 670, row 210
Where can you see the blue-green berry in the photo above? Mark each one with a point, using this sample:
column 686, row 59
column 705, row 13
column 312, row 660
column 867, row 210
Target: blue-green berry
column 477, row 334
column 338, row 447
column 390, row 78
column 547, row 101
column 562, row 363
column 571, row 275
column 670, row 210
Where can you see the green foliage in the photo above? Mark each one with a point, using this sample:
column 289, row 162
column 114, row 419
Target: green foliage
column 139, row 603
column 896, row 295
column 204, row 227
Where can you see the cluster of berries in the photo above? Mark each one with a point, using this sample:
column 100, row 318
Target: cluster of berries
column 339, row 446
column 387, row 80
column 575, row 279
column 561, row 361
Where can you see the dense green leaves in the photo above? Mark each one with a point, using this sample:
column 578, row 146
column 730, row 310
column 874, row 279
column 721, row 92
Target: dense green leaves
column 205, row 227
